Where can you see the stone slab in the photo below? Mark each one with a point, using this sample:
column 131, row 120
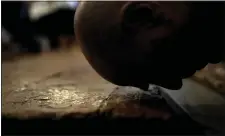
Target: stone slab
column 62, row 85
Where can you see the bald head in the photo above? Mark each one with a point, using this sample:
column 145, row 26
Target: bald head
column 137, row 43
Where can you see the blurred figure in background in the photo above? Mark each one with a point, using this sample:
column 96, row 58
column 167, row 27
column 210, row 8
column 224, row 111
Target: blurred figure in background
column 15, row 21
column 38, row 26
column 53, row 20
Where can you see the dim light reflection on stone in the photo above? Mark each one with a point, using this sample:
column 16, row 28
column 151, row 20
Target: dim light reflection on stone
column 58, row 97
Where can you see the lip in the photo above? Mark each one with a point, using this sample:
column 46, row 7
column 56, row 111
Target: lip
column 174, row 84
column 188, row 74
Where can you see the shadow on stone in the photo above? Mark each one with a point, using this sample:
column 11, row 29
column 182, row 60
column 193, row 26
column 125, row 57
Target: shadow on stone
column 100, row 125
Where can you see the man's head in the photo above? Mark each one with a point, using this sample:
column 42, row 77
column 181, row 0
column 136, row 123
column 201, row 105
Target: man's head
column 137, row 43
